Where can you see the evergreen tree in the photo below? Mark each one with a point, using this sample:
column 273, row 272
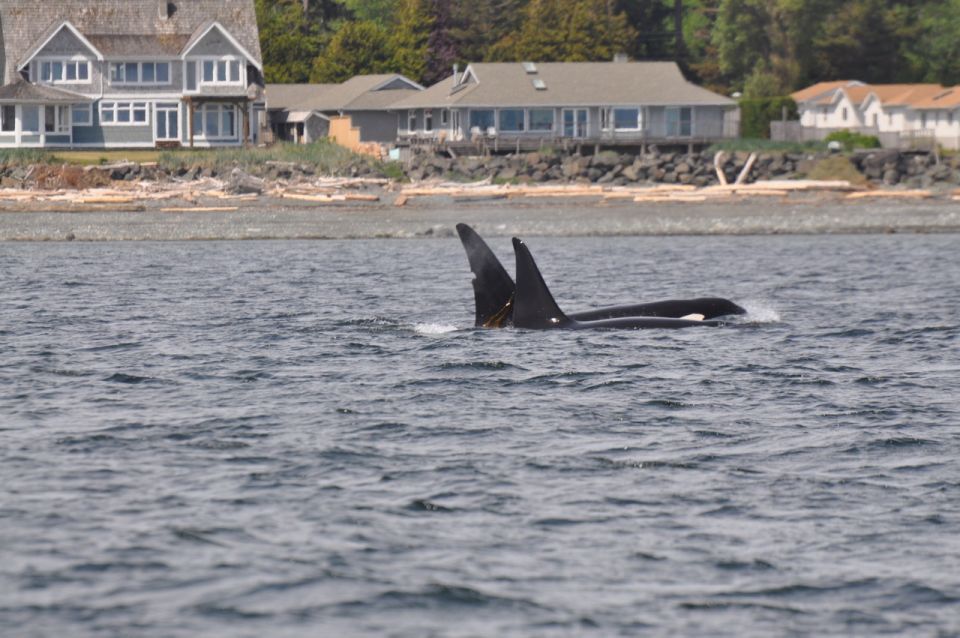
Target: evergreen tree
column 441, row 47
column 409, row 39
column 357, row 48
column 289, row 39
column 571, row 31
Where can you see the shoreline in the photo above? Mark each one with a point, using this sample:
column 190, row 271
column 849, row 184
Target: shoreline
column 218, row 216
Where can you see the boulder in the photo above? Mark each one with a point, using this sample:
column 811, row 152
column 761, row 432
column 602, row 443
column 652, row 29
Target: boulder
column 241, row 183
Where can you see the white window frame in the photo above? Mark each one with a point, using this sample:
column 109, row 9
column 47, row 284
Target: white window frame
column 216, row 62
column 120, row 79
column 200, row 115
column 76, row 62
column 61, row 119
column 130, row 106
column 81, row 108
column 610, row 119
column 553, row 121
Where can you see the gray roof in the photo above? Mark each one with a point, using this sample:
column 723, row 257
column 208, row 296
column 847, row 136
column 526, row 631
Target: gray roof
column 568, row 84
column 138, row 45
column 359, row 93
column 21, row 92
column 26, row 23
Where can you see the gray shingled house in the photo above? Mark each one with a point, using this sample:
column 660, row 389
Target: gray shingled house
column 129, row 73
column 357, row 111
column 616, row 102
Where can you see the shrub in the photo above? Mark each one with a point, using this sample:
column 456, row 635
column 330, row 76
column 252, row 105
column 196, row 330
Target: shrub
column 757, row 113
column 852, row 140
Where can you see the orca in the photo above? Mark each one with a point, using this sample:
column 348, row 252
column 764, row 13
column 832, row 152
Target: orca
column 494, row 292
column 534, row 307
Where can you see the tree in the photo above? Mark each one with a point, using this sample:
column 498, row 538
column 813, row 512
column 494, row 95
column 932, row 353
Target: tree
column 289, row 39
column 571, row 31
column 409, row 38
column 357, row 48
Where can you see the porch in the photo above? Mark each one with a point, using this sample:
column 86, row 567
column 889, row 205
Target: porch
column 33, row 116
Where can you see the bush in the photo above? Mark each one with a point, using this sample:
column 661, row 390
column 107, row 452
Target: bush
column 837, row 167
column 757, row 113
column 852, row 140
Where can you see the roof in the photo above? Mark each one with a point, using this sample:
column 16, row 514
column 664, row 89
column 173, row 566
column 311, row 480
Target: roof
column 294, row 117
column 568, row 84
column 944, row 99
column 359, row 93
column 912, row 95
column 821, row 89
column 112, row 45
column 21, row 92
column 26, row 23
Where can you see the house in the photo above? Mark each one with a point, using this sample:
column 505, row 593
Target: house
column 527, row 103
column 356, row 113
column 899, row 115
column 129, row 73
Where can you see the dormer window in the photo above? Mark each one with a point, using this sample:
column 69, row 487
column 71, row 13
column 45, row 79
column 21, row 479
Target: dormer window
column 64, row 71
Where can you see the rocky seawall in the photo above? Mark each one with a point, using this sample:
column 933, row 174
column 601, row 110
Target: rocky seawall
column 877, row 167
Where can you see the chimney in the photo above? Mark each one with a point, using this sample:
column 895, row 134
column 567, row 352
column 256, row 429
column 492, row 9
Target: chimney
column 456, row 73
column 164, row 9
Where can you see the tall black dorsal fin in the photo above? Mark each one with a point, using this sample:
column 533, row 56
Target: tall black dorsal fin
column 493, row 289
column 533, row 306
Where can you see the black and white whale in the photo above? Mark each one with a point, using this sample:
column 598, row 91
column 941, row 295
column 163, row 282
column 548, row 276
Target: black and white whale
column 534, row 307
column 495, row 294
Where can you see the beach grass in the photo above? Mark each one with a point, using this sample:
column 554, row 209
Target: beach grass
column 748, row 145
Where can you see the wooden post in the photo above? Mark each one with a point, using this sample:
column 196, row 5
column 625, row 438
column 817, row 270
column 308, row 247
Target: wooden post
column 245, row 119
column 191, row 109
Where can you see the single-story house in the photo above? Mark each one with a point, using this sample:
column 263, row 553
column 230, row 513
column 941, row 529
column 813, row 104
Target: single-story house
column 898, row 114
column 601, row 102
column 129, row 73
column 355, row 113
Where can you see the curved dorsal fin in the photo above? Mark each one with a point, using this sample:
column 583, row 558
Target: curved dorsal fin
column 533, row 306
column 493, row 289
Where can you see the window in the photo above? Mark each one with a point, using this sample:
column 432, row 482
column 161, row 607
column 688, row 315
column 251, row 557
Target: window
column 412, row 121
column 139, row 73
column 220, row 71
column 679, row 121
column 64, row 71
column 82, row 115
column 482, row 119
column 627, row 119
column 123, row 113
column 511, row 120
column 445, row 118
column 541, row 119
column 428, row 120
column 923, row 120
column 8, row 118
column 30, row 118
column 215, row 122
column 844, row 114
column 56, row 119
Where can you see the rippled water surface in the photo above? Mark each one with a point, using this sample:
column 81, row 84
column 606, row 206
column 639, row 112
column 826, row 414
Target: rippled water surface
column 309, row 439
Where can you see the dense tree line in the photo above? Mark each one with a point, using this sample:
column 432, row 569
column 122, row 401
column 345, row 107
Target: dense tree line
column 759, row 47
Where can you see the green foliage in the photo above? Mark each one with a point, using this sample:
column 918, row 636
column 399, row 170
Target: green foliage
column 25, row 156
column 837, row 167
column 324, row 156
column 756, row 114
column 852, row 140
column 752, row 145
column 569, row 31
column 408, row 39
column 357, row 48
column 289, row 40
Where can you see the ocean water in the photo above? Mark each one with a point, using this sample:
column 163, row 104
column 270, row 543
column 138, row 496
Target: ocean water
column 308, row 438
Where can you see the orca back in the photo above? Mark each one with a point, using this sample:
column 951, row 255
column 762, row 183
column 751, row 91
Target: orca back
column 493, row 289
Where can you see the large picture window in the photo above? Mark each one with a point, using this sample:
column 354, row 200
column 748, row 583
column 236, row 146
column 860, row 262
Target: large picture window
column 139, row 73
column 481, row 119
column 82, row 115
column 511, row 120
column 215, row 122
column 64, row 71
column 541, row 119
column 124, row 113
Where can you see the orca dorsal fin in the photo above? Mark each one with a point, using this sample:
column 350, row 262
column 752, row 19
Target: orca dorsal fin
column 533, row 306
column 493, row 289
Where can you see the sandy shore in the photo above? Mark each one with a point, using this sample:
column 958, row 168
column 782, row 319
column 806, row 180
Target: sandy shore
column 270, row 218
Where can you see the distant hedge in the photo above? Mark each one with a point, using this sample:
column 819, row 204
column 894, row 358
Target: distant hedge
column 852, row 140
column 757, row 113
